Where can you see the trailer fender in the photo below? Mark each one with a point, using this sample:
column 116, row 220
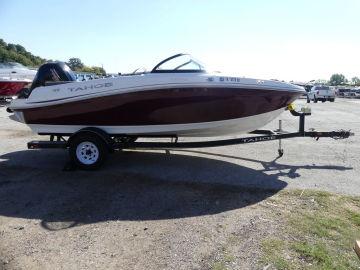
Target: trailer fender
column 93, row 131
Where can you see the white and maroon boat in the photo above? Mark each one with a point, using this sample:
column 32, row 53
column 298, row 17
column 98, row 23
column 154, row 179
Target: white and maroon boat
column 13, row 78
column 177, row 98
column 10, row 87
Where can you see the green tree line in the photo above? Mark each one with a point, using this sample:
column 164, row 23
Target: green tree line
column 340, row 79
column 16, row 53
column 76, row 65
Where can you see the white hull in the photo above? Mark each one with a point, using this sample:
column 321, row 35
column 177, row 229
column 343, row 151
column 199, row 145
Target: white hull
column 77, row 91
column 16, row 71
column 162, row 102
column 207, row 129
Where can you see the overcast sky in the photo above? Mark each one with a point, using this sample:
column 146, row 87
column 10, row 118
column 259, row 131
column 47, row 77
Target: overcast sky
column 280, row 39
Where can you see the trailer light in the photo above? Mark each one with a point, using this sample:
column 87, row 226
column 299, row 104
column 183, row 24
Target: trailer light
column 291, row 107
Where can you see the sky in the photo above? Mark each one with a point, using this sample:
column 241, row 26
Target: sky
column 278, row 39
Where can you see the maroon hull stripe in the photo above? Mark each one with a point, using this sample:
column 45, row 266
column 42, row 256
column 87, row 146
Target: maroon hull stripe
column 161, row 107
column 11, row 88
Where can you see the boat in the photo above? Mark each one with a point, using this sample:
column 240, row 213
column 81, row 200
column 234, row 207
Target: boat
column 16, row 71
column 178, row 97
column 13, row 78
column 10, row 87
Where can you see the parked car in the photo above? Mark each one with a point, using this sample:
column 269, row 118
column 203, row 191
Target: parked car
column 355, row 93
column 344, row 92
column 85, row 76
column 350, row 94
column 321, row 93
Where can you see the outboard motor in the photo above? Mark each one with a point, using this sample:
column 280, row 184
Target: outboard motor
column 47, row 74
column 52, row 72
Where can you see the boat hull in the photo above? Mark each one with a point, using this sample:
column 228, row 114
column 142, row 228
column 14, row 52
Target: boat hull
column 11, row 88
column 196, row 111
column 206, row 129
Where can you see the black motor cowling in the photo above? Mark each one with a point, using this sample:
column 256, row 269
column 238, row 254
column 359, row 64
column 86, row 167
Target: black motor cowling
column 52, row 72
column 49, row 73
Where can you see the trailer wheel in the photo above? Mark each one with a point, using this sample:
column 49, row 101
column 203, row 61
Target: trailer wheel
column 88, row 151
column 332, row 100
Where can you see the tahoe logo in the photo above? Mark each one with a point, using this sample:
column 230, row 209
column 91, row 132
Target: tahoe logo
column 90, row 87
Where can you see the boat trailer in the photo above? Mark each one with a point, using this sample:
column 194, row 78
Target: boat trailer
column 109, row 143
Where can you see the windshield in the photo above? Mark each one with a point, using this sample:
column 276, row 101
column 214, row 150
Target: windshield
column 179, row 63
column 11, row 65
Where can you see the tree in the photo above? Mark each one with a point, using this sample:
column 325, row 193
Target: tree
column 17, row 53
column 75, row 64
column 320, row 81
column 337, row 79
column 355, row 81
column 20, row 49
column 93, row 69
column 11, row 47
column 2, row 43
column 98, row 70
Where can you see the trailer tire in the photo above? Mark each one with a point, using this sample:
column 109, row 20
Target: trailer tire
column 332, row 100
column 88, row 151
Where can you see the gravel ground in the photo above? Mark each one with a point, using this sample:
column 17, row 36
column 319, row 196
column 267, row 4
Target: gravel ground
column 151, row 210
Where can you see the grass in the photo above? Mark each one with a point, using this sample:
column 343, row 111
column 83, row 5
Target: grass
column 318, row 232
column 314, row 252
column 219, row 266
column 274, row 250
column 354, row 217
column 223, row 263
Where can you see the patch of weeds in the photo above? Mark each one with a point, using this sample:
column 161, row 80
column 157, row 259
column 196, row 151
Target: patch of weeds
column 318, row 225
column 315, row 237
column 233, row 240
column 322, row 198
column 273, row 250
column 281, row 263
column 219, row 266
column 354, row 200
column 319, row 256
column 314, row 253
column 228, row 258
column 354, row 217
column 223, row 260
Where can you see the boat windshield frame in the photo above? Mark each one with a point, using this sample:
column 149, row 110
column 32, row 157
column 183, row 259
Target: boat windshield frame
column 177, row 69
column 11, row 65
